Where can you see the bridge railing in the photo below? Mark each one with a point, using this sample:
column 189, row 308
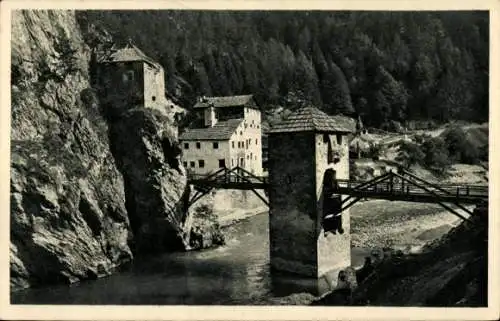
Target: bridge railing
column 400, row 187
column 229, row 176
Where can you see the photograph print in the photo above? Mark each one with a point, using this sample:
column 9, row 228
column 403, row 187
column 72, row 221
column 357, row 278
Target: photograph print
column 249, row 157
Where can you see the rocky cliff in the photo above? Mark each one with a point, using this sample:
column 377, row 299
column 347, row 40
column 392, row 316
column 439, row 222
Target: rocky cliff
column 68, row 216
column 87, row 193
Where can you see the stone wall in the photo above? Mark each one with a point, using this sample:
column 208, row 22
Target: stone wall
column 292, row 203
column 334, row 250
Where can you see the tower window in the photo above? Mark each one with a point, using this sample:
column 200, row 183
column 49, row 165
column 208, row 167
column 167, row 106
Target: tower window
column 128, row 76
column 153, row 98
column 339, row 139
column 256, row 141
column 186, row 145
column 198, row 145
column 222, row 163
column 201, row 163
column 325, row 138
column 216, row 145
column 232, row 144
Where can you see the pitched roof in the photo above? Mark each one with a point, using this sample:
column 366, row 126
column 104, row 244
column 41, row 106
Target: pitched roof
column 225, row 101
column 222, row 130
column 312, row 119
column 130, row 53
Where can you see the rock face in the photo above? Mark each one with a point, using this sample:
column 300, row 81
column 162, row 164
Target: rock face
column 68, row 215
column 155, row 182
column 87, row 191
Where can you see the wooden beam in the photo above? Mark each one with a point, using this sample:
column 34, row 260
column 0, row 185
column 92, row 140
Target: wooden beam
column 368, row 184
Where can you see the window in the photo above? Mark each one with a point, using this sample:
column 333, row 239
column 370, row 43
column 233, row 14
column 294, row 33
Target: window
column 255, row 157
column 248, row 156
column 258, row 126
column 128, row 76
column 222, row 163
column 242, row 161
column 232, row 162
column 186, row 145
column 216, row 145
column 192, row 164
column 153, row 98
column 339, row 139
column 256, row 141
column 185, row 164
column 325, row 138
column 241, row 133
column 232, row 144
column 246, row 125
column 198, row 145
column 201, row 163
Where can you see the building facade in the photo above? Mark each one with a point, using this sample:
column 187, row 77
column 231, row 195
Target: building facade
column 302, row 149
column 229, row 136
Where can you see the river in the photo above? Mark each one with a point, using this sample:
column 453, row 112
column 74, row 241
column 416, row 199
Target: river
column 237, row 273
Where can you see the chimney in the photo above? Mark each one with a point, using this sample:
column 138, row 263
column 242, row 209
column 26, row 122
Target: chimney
column 210, row 118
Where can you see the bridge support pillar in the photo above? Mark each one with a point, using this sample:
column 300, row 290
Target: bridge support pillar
column 297, row 191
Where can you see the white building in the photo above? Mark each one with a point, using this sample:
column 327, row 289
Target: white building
column 230, row 136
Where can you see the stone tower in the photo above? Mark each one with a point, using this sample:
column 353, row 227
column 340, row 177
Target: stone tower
column 128, row 78
column 301, row 150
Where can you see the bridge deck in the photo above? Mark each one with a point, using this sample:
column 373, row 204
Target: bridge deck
column 392, row 187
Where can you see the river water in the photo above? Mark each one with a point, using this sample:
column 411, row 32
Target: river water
column 237, row 273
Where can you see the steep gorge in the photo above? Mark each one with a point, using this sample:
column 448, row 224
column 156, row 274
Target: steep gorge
column 87, row 193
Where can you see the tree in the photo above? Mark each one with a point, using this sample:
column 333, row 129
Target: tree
column 436, row 154
column 409, row 154
column 335, row 92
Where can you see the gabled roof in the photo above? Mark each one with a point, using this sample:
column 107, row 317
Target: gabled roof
column 220, row 131
column 225, row 101
column 312, row 119
column 130, row 53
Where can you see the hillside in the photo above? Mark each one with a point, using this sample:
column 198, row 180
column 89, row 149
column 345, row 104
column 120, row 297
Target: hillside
column 450, row 271
column 387, row 67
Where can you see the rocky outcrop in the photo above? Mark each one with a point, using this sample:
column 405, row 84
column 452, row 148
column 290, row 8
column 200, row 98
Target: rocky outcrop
column 144, row 146
column 68, row 216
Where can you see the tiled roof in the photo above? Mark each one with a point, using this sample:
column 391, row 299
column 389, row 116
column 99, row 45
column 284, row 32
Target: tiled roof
column 312, row 119
column 220, row 131
column 226, row 101
column 130, row 53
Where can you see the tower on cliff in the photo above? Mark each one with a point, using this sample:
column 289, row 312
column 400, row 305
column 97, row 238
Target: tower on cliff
column 304, row 150
column 128, row 78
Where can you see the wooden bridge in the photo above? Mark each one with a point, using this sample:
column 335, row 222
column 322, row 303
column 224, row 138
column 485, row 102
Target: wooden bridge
column 401, row 186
